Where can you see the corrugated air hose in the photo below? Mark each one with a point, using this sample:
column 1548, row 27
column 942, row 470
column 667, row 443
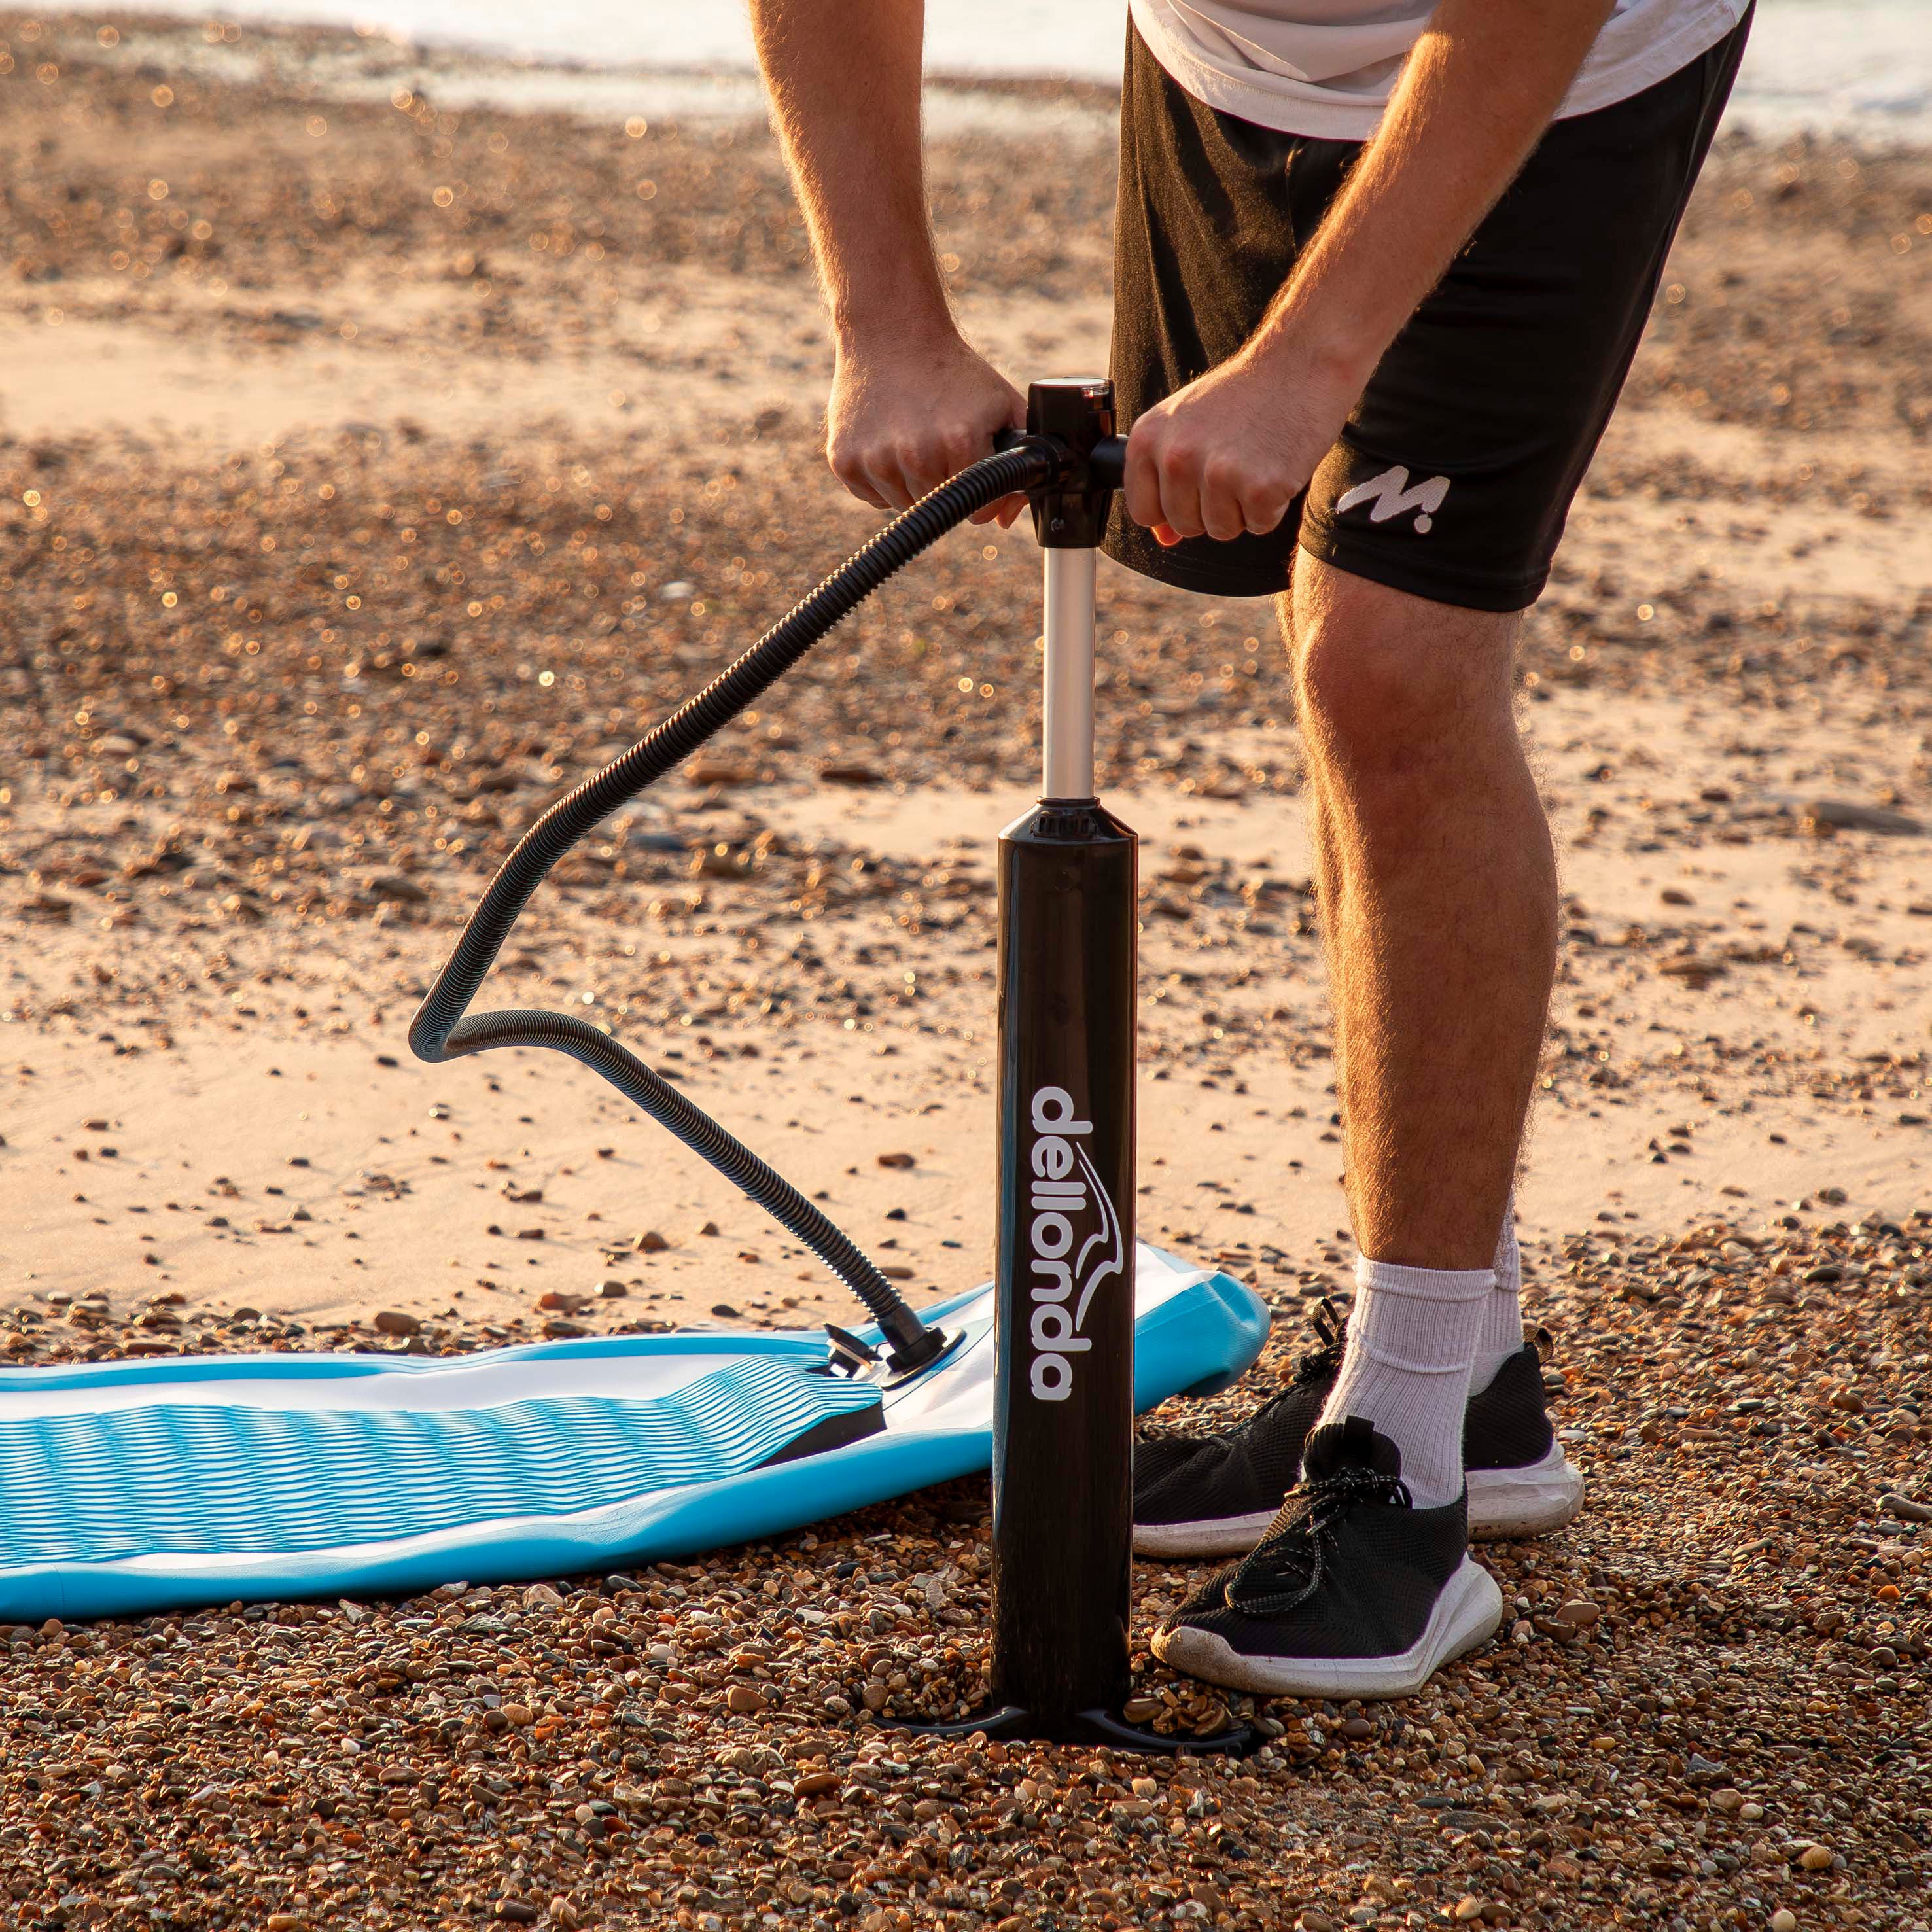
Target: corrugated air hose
column 444, row 1029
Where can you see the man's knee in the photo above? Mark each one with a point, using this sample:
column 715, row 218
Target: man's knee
column 1388, row 685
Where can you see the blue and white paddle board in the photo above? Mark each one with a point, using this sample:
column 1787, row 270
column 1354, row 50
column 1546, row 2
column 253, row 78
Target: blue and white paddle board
column 129, row 1487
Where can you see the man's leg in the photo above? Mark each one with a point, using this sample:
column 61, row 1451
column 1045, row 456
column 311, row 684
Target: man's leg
column 1437, row 892
column 1502, row 1329
column 1500, row 1332
column 1438, row 895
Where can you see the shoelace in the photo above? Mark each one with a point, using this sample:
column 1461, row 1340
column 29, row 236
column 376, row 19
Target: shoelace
column 1292, row 1553
column 1330, row 1328
column 1317, row 1365
column 1331, row 1332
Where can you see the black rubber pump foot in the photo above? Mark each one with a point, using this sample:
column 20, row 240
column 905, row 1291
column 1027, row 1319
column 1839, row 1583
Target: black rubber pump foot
column 1093, row 1727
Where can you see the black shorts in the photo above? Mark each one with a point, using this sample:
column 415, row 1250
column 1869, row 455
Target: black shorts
column 1453, row 477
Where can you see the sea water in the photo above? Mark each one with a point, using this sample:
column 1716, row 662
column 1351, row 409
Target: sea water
column 1862, row 67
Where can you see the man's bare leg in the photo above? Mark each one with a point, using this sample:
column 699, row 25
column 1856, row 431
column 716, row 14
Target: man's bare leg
column 1438, row 902
column 1437, row 892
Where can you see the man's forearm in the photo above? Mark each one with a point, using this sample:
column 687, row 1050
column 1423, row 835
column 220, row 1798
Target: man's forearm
column 845, row 78
column 1479, row 89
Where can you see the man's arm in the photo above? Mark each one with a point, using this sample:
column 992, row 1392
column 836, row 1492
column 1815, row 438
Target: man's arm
column 910, row 402
column 1228, row 452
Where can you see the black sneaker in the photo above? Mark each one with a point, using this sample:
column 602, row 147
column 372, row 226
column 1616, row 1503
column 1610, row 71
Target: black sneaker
column 1213, row 1495
column 1521, row 1483
column 1353, row 1591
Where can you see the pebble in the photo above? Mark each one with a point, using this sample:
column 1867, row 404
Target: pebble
column 1844, row 814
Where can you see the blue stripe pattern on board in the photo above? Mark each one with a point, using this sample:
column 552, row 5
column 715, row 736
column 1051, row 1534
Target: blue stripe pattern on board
column 212, row 1478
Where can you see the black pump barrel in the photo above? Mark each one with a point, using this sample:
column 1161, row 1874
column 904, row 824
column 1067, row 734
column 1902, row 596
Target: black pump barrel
column 1063, row 1420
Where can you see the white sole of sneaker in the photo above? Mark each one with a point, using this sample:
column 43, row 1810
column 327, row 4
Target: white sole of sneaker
column 1468, row 1613
column 1525, row 1502
column 1503, row 1503
column 1226, row 1536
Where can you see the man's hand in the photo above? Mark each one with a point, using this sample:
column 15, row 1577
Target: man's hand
column 904, row 419
column 1228, row 453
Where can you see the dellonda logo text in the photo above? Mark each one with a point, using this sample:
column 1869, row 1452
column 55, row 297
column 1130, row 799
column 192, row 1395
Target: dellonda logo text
column 1075, row 1238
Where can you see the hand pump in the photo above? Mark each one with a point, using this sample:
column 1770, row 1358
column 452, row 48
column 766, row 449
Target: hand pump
column 1063, row 1425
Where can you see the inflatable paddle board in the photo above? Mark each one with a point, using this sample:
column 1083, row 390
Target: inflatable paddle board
column 131, row 1487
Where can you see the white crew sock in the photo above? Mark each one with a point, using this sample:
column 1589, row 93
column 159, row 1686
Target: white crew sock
column 1501, row 1334
column 1406, row 1367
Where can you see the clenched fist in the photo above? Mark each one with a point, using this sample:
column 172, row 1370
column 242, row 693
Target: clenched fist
column 905, row 416
column 1228, row 454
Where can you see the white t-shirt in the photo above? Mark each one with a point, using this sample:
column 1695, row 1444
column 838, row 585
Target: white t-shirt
column 1324, row 67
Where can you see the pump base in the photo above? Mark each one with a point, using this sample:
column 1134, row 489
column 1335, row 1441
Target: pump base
column 1093, row 1727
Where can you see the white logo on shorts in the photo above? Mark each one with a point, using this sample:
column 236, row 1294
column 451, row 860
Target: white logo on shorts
column 1391, row 496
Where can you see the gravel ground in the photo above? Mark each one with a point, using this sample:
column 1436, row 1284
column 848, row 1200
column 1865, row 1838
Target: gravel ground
column 1711, row 1709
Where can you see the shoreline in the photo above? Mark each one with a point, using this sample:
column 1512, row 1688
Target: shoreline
column 353, row 62
column 1745, row 549
column 339, row 63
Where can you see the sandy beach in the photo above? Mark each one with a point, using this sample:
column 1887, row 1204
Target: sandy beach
column 371, row 468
